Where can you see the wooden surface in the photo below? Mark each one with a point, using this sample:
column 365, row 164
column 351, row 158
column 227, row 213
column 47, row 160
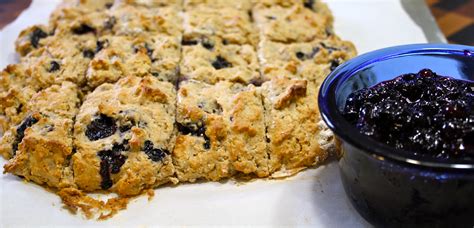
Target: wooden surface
column 454, row 17
column 10, row 9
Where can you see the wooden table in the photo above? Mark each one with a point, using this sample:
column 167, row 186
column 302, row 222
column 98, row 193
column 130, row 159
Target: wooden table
column 10, row 9
column 455, row 18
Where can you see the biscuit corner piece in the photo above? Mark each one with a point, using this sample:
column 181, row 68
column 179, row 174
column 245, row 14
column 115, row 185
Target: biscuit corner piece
column 292, row 117
column 221, row 132
column 40, row 146
column 124, row 133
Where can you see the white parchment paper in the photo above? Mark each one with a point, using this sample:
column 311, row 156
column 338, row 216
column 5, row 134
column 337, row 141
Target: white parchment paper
column 313, row 198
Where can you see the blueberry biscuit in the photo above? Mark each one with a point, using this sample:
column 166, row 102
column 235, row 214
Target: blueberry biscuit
column 221, row 131
column 311, row 60
column 40, row 145
column 291, row 117
column 80, row 21
column 135, row 20
column 60, row 101
column 210, row 60
column 232, row 25
column 124, row 134
column 31, row 38
column 15, row 92
column 293, row 24
column 63, row 58
column 119, row 56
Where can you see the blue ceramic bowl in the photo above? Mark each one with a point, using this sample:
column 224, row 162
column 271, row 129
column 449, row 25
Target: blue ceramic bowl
column 385, row 185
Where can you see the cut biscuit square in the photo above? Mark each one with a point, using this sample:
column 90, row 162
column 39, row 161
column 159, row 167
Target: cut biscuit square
column 232, row 25
column 120, row 56
column 209, row 60
column 308, row 60
column 293, row 24
column 43, row 153
column 124, row 134
column 133, row 20
column 291, row 118
column 62, row 58
column 80, row 21
column 32, row 38
column 221, row 132
column 58, row 101
column 41, row 144
column 16, row 91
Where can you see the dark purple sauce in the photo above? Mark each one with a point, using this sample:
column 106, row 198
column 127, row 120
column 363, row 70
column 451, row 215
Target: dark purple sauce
column 424, row 113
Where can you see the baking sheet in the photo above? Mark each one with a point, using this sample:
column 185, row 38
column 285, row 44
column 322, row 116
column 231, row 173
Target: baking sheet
column 312, row 198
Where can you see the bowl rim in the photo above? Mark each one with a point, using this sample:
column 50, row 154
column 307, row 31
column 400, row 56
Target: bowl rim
column 347, row 132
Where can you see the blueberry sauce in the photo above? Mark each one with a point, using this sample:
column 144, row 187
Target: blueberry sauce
column 427, row 114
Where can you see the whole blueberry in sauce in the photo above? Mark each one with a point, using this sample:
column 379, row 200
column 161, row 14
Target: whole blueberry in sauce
column 424, row 113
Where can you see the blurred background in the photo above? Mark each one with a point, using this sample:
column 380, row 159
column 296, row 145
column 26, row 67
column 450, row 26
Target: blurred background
column 455, row 18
